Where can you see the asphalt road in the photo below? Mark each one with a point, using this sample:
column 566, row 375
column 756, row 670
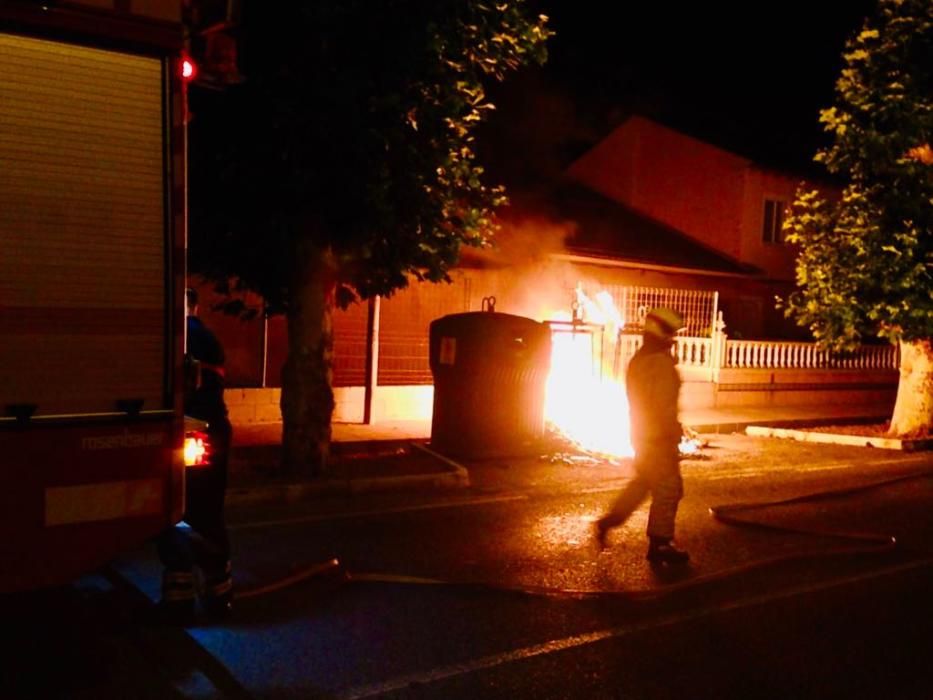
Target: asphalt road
column 497, row 591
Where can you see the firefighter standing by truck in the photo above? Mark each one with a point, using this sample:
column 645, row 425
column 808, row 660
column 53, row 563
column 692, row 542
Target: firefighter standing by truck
column 201, row 541
column 653, row 387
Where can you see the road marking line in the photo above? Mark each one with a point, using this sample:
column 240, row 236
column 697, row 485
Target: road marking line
column 397, row 578
column 319, row 517
column 581, row 640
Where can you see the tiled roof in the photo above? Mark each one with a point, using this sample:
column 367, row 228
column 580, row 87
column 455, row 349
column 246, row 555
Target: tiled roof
column 603, row 228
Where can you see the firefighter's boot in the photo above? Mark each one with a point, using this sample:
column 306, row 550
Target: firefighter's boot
column 600, row 535
column 662, row 551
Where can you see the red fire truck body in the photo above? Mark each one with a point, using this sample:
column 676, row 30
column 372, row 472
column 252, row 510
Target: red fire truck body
column 92, row 270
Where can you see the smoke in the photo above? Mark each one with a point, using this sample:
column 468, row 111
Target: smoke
column 521, row 271
column 527, row 239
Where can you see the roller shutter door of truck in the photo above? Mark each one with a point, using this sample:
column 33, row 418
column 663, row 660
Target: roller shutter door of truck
column 82, row 228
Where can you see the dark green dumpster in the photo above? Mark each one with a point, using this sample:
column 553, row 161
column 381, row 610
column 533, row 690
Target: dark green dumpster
column 490, row 371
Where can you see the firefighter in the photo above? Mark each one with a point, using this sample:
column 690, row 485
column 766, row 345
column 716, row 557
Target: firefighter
column 201, row 542
column 653, row 387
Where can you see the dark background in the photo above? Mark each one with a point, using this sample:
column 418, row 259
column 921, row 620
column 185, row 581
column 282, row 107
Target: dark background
column 750, row 77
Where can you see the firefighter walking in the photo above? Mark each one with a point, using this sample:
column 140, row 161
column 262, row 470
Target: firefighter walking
column 200, row 543
column 653, row 387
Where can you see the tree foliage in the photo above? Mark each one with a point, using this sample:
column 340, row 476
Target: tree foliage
column 866, row 257
column 353, row 133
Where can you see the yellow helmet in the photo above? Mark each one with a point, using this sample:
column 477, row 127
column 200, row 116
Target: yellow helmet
column 663, row 322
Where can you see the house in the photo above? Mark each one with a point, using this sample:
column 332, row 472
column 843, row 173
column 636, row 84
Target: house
column 716, row 199
column 650, row 215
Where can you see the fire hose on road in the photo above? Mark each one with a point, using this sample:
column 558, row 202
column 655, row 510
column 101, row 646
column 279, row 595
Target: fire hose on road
column 734, row 514
column 868, row 541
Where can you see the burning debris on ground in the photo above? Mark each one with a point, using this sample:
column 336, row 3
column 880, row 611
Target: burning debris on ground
column 691, row 443
column 559, row 449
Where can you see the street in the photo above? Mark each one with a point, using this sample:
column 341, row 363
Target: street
column 498, row 591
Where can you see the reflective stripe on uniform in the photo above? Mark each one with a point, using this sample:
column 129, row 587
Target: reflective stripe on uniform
column 221, row 588
column 222, row 583
column 178, row 586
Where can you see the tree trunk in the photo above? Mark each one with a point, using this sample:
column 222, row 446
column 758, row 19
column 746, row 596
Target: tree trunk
column 913, row 410
column 307, row 401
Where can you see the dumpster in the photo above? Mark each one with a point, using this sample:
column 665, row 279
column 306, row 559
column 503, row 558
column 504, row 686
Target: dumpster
column 490, row 371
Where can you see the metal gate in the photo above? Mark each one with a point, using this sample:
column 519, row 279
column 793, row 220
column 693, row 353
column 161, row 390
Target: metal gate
column 698, row 307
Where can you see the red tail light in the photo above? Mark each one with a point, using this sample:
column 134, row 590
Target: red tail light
column 188, row 69
column 197, row 449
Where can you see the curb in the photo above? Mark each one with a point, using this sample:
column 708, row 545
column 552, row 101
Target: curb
column 241, row 452
column 293, row 493
column 841, row 439
column 454, row 476
column 790, row 423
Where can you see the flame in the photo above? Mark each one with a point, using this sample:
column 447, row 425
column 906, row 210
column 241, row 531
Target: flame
column 688, row 445
column 584, row 402
column 600, row 310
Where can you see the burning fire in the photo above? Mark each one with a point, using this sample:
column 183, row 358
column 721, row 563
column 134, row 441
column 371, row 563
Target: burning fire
column 585, row 402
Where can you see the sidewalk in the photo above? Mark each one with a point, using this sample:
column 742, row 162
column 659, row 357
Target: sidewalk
column 395, row 455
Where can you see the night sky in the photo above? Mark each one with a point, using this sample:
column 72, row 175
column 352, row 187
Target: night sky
column 750, row 77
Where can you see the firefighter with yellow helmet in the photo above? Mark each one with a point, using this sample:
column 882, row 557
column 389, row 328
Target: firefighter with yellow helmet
column 653, row 387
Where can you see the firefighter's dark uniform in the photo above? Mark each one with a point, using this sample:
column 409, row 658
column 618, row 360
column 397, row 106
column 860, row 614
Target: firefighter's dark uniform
column 202, row 544
column 653, row 388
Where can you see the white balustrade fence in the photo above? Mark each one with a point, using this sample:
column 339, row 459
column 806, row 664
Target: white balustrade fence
column 767, row 354
column 689, row 351
column 718, row 352
column 693, row 352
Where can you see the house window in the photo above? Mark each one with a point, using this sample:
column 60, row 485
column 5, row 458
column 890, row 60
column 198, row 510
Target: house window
column 772, row 221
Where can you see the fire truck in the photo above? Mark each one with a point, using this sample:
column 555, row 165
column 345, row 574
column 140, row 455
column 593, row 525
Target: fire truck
column 92, row 276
